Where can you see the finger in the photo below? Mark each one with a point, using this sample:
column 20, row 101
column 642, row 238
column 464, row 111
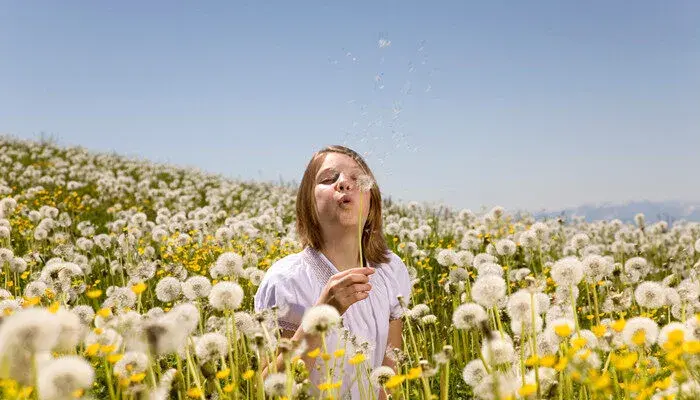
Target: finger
column 358, row 270
column 362, row 287
column 351, row 279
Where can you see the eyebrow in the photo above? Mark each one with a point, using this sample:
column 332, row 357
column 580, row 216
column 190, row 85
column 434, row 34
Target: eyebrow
column 332, row 169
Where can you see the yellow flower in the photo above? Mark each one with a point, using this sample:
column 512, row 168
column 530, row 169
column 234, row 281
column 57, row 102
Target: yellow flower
column 619, row 325
column 93, row 294
column 394, row 381
column 329, row 385
column 53, row 309
column 223, row 374
column 414, row 373
column 112, row 358
column 138, row 289
column 691, row 347
column 194, row 392
column 31, row 301
column 527, row 390
column 599, row 330
column 578, row 343
column 563, row 362
column 676, row 336
column 358, row 358
column 562, row 330
column 314, row 353
column 548, row 360
column 601, row 382
column 248, row 374
column 104, row 312
column 78, row 393
column 228, row 388
column 325, row 356
column 532, row 361
column 107, row 348
column 138, row 377
column 339, row 353
column 639, row 337
column 92, row 349
column 624, row 362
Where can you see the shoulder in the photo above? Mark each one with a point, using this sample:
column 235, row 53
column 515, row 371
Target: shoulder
column 285, row 268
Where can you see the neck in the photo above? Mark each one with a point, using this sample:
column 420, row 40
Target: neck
column 342, row 250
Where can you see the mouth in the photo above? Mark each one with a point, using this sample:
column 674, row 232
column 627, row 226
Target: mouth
column 345, row 200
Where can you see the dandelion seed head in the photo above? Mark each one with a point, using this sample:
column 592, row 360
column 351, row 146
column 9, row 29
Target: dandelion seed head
column 63, row 376
column 226, row 296
column 320, row 318
column 168, row 289
column 567, row 271
column 196, row 287
column 488, row 290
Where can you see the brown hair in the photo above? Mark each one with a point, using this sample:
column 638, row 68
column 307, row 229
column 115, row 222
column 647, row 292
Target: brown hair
column 308, row 228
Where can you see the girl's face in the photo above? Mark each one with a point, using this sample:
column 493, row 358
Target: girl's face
column 336, row 192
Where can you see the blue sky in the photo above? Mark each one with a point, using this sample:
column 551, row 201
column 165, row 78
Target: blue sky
column 528, row 106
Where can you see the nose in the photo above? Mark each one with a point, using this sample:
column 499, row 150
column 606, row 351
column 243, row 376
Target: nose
column 343, row 183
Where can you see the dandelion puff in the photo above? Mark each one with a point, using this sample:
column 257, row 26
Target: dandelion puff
column 132, row 363
column 447, row 257
column 275, row 384
column 469, row 316
column 256, row 276
column 320, row 319
column 595, row 268
column 226, row 296
column 498, row 351
column 228, row 264
column 489, row 268
column 35, row 289
column 210, row 346
column 649, row 295
column 365, row 183
column 196, row 287
column 162, row 392
column 520, row 306
column 381, row 375
column 85, row 313
column 505, row 247
column 474, row 372
column 168, row 289
column 63, row 376
column 567, row 271
column 458, row 275
column 640, row 331
column 34, row 330
column 71, row 330
column 488, row 290
column 465, row 258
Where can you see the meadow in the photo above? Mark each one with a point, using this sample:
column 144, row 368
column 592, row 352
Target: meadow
column 127, row 279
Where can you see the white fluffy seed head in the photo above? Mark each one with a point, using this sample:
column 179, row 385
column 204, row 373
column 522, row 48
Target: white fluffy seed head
column 567, row 271
column 320, row 318
column 226, row 296
column 650, row 295
column 489, row 290
column 196, row 287
column 468, row 316
column 61, row 377
column 168, row 289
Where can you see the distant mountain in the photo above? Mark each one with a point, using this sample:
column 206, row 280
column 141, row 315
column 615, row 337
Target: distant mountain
column 653, row 211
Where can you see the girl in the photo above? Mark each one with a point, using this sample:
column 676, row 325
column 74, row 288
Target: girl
column 331, row 202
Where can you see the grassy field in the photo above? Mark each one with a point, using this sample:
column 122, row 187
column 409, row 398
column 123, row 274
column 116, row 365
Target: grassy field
column 128, row 279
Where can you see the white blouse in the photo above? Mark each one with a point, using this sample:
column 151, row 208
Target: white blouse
column 294, row 284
